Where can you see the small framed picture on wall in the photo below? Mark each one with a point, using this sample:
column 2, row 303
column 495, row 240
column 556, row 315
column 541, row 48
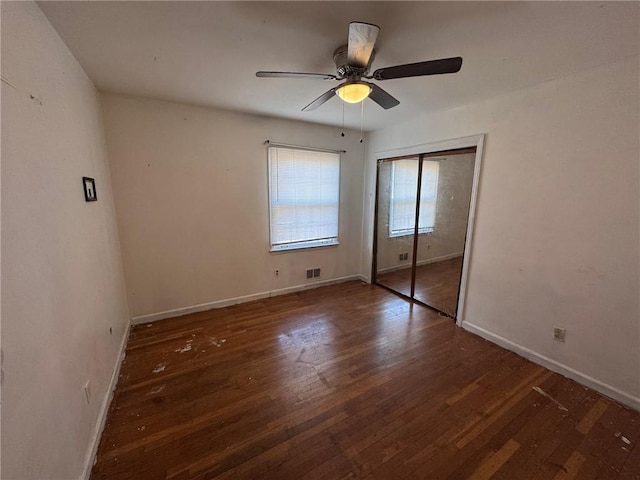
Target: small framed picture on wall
column 89, row 189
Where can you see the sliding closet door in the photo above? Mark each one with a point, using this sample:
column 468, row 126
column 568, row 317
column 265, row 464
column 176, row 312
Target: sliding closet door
column 422, row 212
column 395, row 229
column 446, row 194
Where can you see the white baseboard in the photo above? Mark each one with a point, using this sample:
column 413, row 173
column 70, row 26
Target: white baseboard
column 582, row 378
column 441, row 258
column 104, row 408
column 152, row 317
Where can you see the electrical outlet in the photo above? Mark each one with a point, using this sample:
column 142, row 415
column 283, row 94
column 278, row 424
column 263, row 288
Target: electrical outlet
column 316, row 272
column 559, row 334
column 87, row 391
column 276, row 272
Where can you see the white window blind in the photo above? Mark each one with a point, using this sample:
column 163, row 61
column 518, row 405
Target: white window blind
column 404, row 189
column 304, row 194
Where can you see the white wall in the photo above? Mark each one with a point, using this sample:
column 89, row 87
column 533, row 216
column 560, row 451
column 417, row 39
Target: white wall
column 190, row 186
column 557, row 226
column 62, row 281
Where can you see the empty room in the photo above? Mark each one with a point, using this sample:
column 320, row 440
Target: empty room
column 286, row 240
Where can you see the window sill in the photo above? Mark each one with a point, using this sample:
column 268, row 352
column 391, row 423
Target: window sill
column 401, row 235
column 303, row 247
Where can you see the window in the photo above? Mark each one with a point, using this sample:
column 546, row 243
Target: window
column 404, row 188
column 304, row 193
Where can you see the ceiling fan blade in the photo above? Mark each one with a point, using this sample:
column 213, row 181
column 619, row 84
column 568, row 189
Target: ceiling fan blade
column 432, row 67
column 362, row 38
column 381, row 97
column 313, row 76
column 320, row 100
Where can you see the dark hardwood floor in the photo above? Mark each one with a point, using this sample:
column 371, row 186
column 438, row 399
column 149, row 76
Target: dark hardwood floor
column 436, row 283
column 350, row 381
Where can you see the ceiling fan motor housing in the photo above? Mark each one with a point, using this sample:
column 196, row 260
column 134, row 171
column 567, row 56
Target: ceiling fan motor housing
column 349, row 71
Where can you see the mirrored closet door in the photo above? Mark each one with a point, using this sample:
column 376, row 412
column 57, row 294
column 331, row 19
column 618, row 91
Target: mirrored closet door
column 422, row 212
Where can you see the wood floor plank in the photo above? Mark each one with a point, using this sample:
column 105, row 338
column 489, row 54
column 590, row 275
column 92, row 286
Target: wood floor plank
column 630, row 469
column 493, row 463
column 530, row 461
column 571, row 467
column 626, row 433
column 497, row 409
column 349, row 381
column 461, row 463
column 592, row 416
column 462, row 393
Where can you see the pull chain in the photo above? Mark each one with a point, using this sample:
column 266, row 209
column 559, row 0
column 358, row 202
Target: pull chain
column 342, row 134
column 361, row 118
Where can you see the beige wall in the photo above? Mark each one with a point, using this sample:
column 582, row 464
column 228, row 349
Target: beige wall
column 557, row 222
column 62, row 281
column 190, row 186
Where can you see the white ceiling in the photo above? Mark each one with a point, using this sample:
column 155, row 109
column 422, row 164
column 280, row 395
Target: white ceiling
column 207, row 53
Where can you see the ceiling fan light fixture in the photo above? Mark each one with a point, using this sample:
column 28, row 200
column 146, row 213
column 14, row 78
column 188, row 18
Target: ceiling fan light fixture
column 353, row 92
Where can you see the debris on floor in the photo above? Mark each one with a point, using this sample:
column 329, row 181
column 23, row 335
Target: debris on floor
column 159, row 368
column 545, row 394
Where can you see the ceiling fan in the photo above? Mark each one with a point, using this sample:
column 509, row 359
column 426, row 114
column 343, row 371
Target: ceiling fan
column 353, row 62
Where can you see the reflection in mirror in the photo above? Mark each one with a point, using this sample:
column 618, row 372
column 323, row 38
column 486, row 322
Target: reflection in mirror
column 396, row 216
column 444, row 188
column 440, row 250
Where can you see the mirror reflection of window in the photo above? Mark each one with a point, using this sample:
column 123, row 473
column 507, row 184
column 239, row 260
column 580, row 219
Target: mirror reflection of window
column 404, row 185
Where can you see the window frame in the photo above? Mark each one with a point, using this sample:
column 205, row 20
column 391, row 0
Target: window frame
column 302, row 244
column 421, row 230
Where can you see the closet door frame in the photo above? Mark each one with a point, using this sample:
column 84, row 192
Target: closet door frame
column 422, row 151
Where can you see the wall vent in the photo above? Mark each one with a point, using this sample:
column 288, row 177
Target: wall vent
column 312, row 273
